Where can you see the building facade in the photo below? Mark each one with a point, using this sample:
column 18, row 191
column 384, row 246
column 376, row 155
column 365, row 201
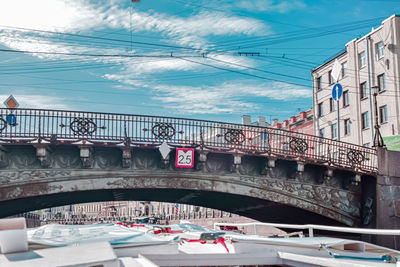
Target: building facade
column 368, row 63
column 120, row 210
column 301, row 123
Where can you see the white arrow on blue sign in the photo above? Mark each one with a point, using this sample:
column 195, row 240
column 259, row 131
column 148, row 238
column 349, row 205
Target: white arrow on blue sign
column 337, row 91
column 11, row 119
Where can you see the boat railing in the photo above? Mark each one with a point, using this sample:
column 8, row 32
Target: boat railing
column 312, row 227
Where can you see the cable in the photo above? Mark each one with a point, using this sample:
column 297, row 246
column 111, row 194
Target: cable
column 251, row 68
column 242, row 73
column 101, row 38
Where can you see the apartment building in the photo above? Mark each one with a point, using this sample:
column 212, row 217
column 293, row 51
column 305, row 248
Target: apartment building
column 368, row 63
column 301, row 123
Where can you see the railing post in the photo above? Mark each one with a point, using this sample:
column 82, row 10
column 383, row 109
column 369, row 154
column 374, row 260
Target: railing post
column 310, row 232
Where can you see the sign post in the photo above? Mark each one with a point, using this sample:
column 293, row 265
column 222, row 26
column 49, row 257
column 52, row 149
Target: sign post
column 337, row 91
column 11, row 103
column 184, row 158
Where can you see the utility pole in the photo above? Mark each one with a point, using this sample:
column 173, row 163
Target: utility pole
column 378, row 140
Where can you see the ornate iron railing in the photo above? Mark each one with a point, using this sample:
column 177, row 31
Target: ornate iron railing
column 54, row 126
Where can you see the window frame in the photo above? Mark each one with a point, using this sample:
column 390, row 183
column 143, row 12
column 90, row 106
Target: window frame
column 346, row 100
column 332, row 105
column 320, row 109
column 330, row 78
column 362, row 58
column 365, row 123
column 379, row 82
column 334, row 133
column 322, row 132
column 319, row 83
column 344, row 69
column 379, row 50
column 383, row 108
column 362, row 92
column 347, row 126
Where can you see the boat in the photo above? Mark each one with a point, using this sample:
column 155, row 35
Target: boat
column 186, row 244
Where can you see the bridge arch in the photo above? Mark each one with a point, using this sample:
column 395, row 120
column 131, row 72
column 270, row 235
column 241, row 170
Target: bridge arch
column 250, row 188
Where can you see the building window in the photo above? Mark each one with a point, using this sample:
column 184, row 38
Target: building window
column 334, row 131
column 380, row 50
column 381, row 82
column 362, row 61
column 347, row 126
column 319, row 83
column 364, row 120
column 345, row 98
column 331, row 104
column 344, row 69
column 320, row 109
column 363, row 90
column 383, row 117
column 330, row 78
column 322, row 132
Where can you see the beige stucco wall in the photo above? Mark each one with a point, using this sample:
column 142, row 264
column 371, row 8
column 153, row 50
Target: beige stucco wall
column 388, row 33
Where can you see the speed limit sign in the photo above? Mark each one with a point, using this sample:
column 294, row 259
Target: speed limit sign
column 184, row 157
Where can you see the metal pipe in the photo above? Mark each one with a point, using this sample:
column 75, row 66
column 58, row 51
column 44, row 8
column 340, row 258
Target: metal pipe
column 370, row 90
column 320, row 227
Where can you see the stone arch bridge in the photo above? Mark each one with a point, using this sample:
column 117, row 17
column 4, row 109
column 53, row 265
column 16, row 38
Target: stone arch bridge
column 50, row 158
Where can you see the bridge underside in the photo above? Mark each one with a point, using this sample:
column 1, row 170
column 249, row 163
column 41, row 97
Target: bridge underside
column 259, row 187
column 258, row 209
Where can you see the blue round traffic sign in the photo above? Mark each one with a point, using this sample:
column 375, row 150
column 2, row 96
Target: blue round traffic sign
column 11, row 119
column 337, row 91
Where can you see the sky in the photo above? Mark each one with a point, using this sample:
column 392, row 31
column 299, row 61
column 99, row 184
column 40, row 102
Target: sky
column 211, row 60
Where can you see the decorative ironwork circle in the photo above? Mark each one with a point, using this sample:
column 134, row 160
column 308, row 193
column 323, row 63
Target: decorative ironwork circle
column 355, row 157
column 298, row 145
column 3, row 124
column 234, row 136
column 83, row 126
column 163, row 130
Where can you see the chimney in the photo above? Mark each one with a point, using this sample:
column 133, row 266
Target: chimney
column 285, row 123
column 274, row 122
column 278, row 125
column 246, row 120
column 261, row 121
column 303, row 115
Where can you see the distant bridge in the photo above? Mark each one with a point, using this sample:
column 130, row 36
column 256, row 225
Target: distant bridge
column 54, row 157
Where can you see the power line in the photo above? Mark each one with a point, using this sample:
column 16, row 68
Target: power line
column 101, row 38
column 242, row 73
column 251, row 68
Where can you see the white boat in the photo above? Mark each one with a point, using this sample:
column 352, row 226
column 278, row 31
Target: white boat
column 186, row 244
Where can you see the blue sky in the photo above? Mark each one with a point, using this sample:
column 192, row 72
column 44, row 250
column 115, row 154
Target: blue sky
column 175, row 57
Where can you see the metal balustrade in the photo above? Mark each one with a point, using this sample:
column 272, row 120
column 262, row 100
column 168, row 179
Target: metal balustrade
column 76, row 127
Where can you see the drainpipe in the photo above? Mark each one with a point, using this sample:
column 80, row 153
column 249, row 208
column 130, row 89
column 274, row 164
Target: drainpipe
column 367, row 39
column 313, row 109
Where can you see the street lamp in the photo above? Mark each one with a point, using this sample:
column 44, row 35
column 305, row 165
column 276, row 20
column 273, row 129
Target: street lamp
column 378, row 140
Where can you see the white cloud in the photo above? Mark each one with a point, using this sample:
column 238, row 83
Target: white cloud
column 39, row 101
column 190, row 30
column 226, row 97
column 280, row 6
column 54, row 15
column 80, row 16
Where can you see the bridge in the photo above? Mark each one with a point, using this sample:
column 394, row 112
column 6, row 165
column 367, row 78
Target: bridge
column 53, row 157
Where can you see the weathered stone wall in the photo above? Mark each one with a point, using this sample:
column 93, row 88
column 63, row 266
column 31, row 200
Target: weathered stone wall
column 388, row 196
